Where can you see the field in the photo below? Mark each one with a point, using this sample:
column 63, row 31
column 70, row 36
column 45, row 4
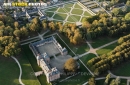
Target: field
column 101, row 82
column 106, row 49
column 87, row 57
column 10, row 71
column 101, row 41
column 71, row 13
column 122, row 70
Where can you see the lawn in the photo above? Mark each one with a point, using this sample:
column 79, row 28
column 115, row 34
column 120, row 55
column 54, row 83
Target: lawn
column 61, row 10
column 68, row 5
column 101, row 41
column 122, row 70
column 101, row 82
column 78, row 79
column 77, row 6
column 87, row 13
column 50, row 14
column 28, row 53
column 77, row 11
column 10, row 71
column 73, row 18
column 87, row 57
column 107, row 49
column 52, row 9
column 60, row 16
column 67, row 8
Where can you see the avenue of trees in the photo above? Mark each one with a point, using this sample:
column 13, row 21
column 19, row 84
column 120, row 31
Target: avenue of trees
column 119, row 55
column 103, row 25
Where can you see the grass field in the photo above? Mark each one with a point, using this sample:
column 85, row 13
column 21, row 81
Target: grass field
column 87, row 57
column 10, row 72
column 77, row 6
column 69, row 5
column 50, row 14
column 101, row 82
column 77, row 11
column 61, row 10
column 122, row 70
column 87, row 13
column 73, row 18
column 101, row 41
column 60, row 16
column 53, row 9
column 107, row 49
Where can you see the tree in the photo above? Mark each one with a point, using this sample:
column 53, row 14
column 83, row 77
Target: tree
column 116, row 11
column 128, row 3
column 17, row 33
column 91, row 81
column 44, row 25
column 117, row 81
column 107, row 79
column 70, row 65
column 24, row 31
column 127, row 17
column 16, row 24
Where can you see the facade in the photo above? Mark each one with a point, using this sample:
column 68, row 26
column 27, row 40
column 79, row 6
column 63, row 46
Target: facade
column 43, row 60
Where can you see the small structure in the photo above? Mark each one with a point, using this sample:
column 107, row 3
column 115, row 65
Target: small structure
column 120, row 5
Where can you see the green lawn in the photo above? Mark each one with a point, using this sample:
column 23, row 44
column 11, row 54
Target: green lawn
column 77, row 6
column 78, row 79
column 77, row 11
column 28, row 53
column 73, row 18
column 52, row 9
column 87, row 13
column 122, row 70
column 107, row 49
column 67, row 8
column 50, row 14
column 10, row 71
column 61, row 10
column 68, row 5
column 101, row 82
column 87, row 57
column 101, row 41
column 60, row 16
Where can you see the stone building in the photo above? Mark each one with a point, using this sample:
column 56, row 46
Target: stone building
column 43, row 60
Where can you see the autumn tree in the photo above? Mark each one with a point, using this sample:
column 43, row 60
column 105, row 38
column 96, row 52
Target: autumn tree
column 70, row 65
column 16, row 24
column 17, row 33
column 92, row 81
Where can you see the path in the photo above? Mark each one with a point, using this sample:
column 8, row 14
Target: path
column 122, row 77
column 106, row 45
column 33, row 39
column 20, row 81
